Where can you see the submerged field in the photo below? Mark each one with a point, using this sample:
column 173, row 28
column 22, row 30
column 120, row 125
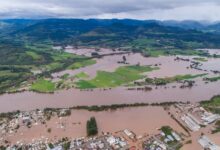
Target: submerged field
column 177, row 78
column 43, row 86
column 122, row 75
column 80, row 79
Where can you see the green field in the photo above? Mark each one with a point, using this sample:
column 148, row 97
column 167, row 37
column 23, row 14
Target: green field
column 122, row 75
column 34, row 55
column 84, row 63
column 43, row 86
column 82, row 75
column 20, row 60
column 53, row 66
column 12, row 76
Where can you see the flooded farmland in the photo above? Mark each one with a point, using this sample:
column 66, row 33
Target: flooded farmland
column 168, row 67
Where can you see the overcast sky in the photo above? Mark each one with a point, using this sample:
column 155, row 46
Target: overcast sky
column 136, row 9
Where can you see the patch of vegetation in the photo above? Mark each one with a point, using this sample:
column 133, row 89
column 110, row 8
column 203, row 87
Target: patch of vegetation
column 65, row 76
column 188, row 142
column 167, row 130
column 82, row 75
column 12, row 77
column 91, row 126
column 164, row 81
column 34, row 55
column 152, row 52
column 81, row 64
column 43, row 86
column 53, row 66
column 19, row 58
column 66, row 145
column 122, row 75
column 202, row 59
column 217, row 127
column 212, row 79
column 51, row 145
column 49, row 130
column 3, row 147
column 120, row 106
column 213, row 104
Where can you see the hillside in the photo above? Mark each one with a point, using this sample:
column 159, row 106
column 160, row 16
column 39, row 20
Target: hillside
column 26, row 46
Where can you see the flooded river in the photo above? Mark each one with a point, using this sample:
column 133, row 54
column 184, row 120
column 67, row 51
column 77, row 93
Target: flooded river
column 73, row 97
column 67, row 98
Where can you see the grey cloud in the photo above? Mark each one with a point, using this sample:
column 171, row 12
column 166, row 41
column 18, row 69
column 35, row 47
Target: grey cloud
column 137, row 9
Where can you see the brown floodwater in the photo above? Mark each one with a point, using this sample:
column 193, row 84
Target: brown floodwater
column 211, row 64
column 139, row 120
column 215, row 138
column 168, row 67
column 73, row 97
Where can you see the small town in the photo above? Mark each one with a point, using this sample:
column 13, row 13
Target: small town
column 192, row 118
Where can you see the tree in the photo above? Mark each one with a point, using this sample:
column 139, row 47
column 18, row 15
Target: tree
column 92, row 128
column 124, row 58
column 66, row 146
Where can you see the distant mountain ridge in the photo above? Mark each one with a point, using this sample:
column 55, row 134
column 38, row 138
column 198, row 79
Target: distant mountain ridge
column 114, row 32
column 185, row 24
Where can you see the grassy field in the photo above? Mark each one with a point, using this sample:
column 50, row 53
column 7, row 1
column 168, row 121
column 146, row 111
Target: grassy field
column 53, row 66
column 213, row 104
column 120, row 76
column 12, row 76
column 34, row 55
column 84, row 63
column 17, row 68
column 82, row 75
column 43, row 86
column 20, row 62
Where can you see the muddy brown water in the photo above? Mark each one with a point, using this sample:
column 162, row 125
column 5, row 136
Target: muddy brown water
column 73, row 97
column 139, row 120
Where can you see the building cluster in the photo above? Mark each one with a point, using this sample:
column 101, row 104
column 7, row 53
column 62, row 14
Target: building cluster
column 107, row 141
column 192, row 117
column 206, row 143
column 163, row 141
column 11, row 123
column 195, row 118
